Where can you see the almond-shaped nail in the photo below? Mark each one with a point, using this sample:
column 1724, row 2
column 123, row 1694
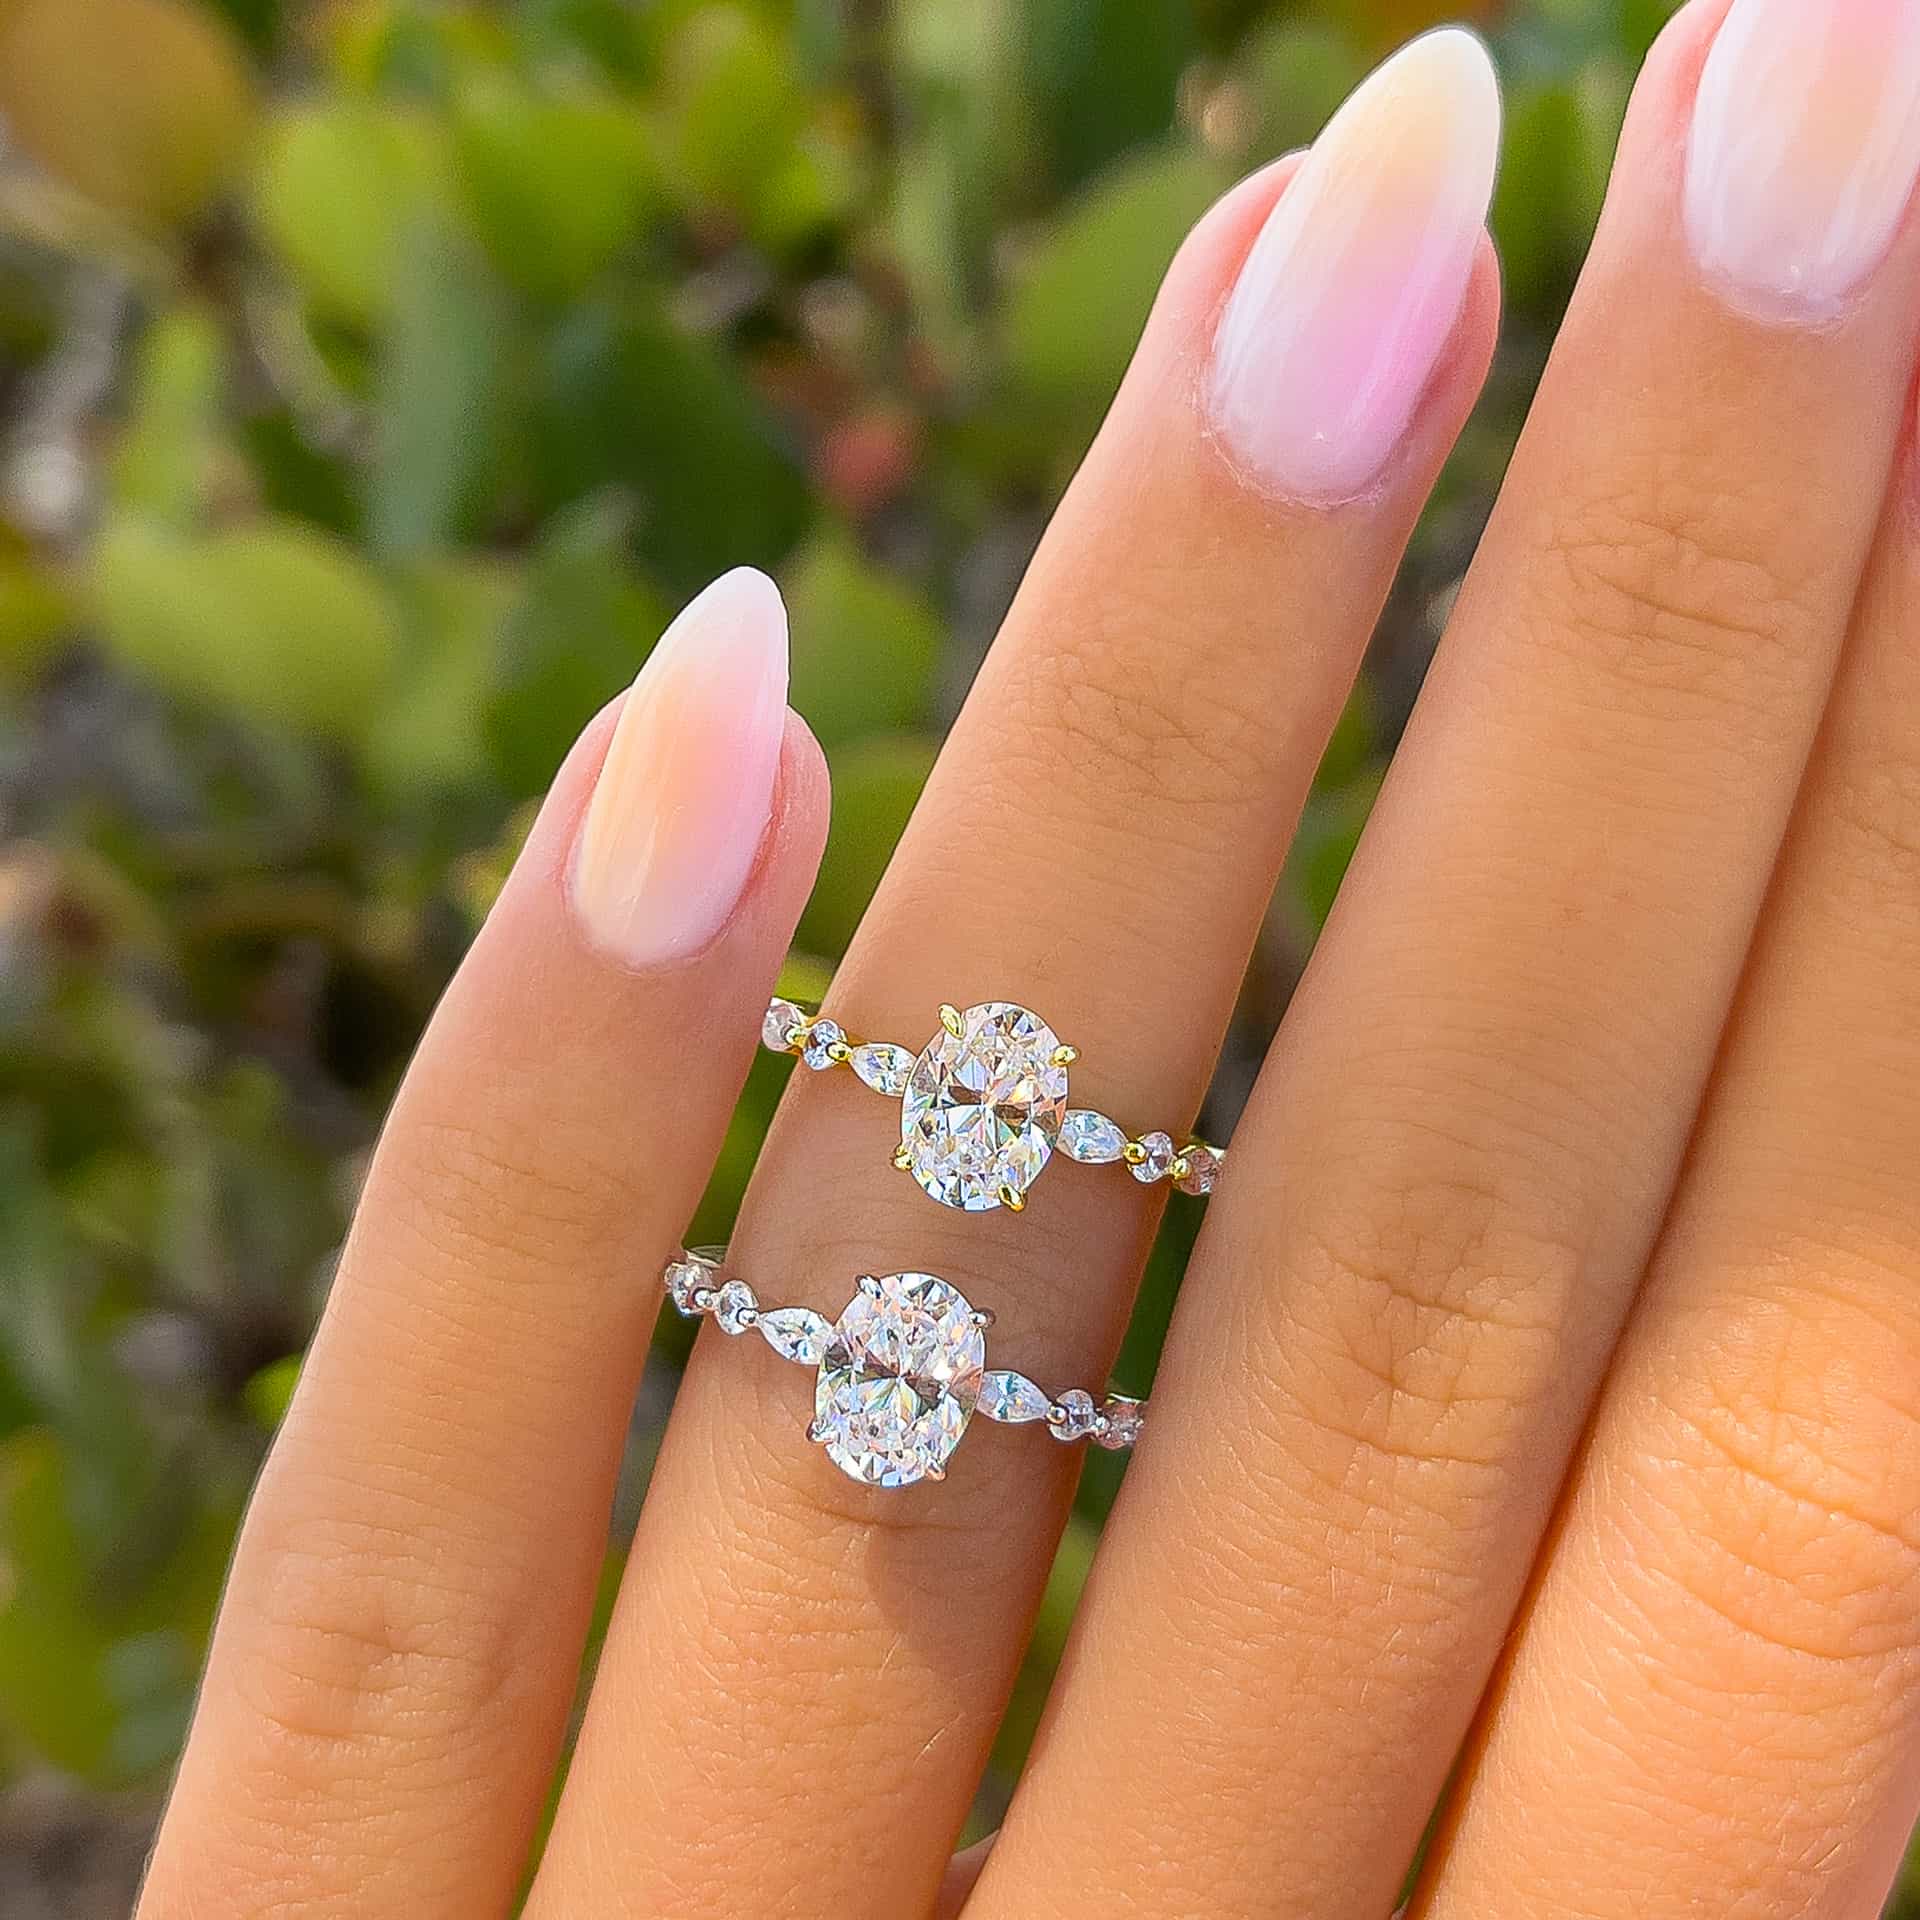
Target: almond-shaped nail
column 674, row 827
column 1353, row 289
column 1804, row 151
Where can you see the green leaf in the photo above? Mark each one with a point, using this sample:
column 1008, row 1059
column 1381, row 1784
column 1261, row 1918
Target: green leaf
column 429, row 736
column 341, row 184
column 161, row 466
column 631, row 401
column 269, row 1393
column 1081, row 299
column 875, row 787
column 734, row 105
column 434, row 393
column 582, row 629
column 554, row 187
column 1103, row 76
column 864, row 645
column 272, row 622
column 54, row 1694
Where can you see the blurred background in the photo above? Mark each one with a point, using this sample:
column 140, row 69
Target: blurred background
column 375, row 380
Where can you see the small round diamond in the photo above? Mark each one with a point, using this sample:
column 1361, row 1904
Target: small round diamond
column 685, row 1278
column 735, row 1307
column 1124, row 1420
column 783, row 1021
column 822, row 1037
column 983, row 1108
column 899, row 1380
column 1156, row 1161
column 1074, row 1416
column 1197, row 1170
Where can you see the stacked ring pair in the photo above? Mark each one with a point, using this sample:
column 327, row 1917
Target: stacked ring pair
column 901, row 1373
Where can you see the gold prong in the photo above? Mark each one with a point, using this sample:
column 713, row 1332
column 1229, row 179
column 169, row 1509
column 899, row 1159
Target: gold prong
column 903, row 1158
column 950, row 1019
column 1013, row 1199
column 839, row 1053
column 1134, row 1154
column 1181, row 1167
column 935, row 1473
column 1065, row 1056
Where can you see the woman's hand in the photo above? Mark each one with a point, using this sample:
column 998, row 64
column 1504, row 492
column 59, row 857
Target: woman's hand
column 1581, row 1180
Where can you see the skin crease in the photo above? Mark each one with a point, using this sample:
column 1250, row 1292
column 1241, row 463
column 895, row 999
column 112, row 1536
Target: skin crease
column 1616, row 1004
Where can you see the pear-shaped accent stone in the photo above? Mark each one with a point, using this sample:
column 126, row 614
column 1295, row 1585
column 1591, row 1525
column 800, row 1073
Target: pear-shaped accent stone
column 1012, row 1397
column 1091, row 1138
column 796, row 1333
column 983, row 1107
column 884, row 1067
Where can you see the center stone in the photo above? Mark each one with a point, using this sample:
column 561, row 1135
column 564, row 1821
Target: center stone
column 983, row 1108
column 899, row 1379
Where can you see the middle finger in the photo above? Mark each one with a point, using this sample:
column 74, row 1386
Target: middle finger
column 803, row 1677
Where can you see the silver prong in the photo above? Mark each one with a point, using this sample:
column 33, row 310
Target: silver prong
column 935, row 1473
column 984, row 1317
column 869, row 1286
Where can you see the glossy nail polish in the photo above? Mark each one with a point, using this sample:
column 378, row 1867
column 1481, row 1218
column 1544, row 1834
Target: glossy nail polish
column 674, row 827
column 1352, row 290
column 1804, row 151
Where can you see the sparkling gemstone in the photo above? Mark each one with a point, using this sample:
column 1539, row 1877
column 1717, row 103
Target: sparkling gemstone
column 796, row 1333
column 899, row 1379
column 983, row 1108
column 1078, row 1416
column 1012, row 1397
column 1091, row 1137
column 886, row 1069
column 1202, row 1169
column 1159, row 1161
column 735, row 1307
column 783, row 1021
column 822, row 1037
column 1125, row 1418
column 685, row 1277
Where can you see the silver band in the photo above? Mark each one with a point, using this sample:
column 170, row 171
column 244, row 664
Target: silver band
column 900, row 1374
column 984, row 1105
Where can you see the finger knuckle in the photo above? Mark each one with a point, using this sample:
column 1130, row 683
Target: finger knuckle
column 1784, row 1461
column 1420, row 1326
column 1687, row 594
column 360, row 1653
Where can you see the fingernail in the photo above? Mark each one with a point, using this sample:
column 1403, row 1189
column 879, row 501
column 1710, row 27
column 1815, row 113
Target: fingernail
column 1351, row 292
column 1804, row 150
column 683, row 800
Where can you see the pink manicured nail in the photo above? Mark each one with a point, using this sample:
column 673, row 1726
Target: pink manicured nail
column 1804, row 152
column 683, row 800
column 1351, row 292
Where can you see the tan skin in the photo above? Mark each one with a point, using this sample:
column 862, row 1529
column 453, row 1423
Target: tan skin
column 1544, row 1384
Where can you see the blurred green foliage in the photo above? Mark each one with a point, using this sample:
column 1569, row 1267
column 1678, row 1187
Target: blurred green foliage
column 376, row 378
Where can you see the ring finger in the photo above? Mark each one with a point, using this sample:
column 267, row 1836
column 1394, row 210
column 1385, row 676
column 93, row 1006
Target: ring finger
column 803, row 1676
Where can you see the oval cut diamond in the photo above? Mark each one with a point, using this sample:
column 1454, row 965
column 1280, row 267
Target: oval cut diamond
column 899, row 1380
column 983, row 1109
